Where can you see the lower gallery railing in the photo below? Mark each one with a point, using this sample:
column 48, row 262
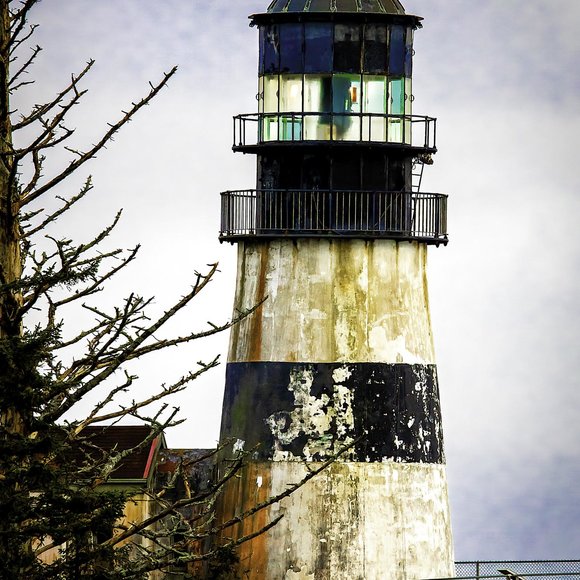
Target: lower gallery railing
column 301, row 213
column 516, row 570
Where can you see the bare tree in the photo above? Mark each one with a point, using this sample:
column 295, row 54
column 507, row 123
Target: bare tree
column 47, row 500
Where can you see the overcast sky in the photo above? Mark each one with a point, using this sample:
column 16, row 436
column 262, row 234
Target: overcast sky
column 503, row 79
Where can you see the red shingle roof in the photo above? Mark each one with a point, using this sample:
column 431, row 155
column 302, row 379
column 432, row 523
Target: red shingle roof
column 136, row 465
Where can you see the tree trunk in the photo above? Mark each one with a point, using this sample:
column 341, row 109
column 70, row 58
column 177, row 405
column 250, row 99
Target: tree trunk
column 11, row 420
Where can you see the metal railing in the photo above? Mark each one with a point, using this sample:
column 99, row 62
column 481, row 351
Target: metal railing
column 410, row 130
column 516, row 570
column 316, row 213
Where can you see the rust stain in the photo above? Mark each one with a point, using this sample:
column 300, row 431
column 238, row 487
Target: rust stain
column 251, row 487
column 240, row 291
column 255, row 347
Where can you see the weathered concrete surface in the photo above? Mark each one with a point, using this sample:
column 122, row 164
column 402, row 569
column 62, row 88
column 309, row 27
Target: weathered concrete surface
column 342, row 349
column 333, row 300
column 354, row 521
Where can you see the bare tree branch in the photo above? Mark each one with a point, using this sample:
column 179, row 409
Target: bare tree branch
column 90, row 154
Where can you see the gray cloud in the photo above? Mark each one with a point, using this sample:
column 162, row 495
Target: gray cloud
column 502, row 77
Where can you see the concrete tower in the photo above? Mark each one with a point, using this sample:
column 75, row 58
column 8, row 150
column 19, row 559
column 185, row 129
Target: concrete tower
column 335, row 237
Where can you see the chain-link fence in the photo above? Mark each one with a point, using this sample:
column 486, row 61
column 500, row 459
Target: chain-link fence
column 517, row 570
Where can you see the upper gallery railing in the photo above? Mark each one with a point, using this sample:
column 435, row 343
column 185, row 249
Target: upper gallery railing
column 315, row 213
column 261, row 128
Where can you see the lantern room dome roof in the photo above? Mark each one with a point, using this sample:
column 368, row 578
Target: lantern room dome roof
column 350, row 6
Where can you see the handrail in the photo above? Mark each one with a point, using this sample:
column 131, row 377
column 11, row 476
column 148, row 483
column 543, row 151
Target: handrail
column 415, row 131
column 278, row 213
column 515, row 569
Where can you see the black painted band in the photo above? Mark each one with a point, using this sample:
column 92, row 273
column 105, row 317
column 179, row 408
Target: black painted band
column 308, row 411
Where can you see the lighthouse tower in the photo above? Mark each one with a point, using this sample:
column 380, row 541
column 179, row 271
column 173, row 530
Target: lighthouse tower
column 333, row 240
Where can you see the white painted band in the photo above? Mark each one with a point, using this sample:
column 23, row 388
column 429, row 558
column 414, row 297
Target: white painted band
column 333, row 301
column 371, row 521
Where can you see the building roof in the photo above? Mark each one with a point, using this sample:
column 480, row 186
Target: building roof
column 351, row 6
column 136, row 465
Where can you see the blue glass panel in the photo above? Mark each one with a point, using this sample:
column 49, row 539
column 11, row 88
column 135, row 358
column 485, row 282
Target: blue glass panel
column 409, row 54
column 318, row 47
column 397, row 51
column 271, row 49
column 261, row 48
column 291, row 48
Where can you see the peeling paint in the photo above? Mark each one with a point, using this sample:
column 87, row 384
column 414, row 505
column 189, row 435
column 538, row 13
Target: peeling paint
column 238, row 446
column 312, row 417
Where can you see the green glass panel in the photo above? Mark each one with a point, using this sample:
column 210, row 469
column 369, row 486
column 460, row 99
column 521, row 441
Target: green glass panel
column 397, row 96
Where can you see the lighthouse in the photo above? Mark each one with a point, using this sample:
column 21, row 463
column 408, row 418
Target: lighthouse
column 332, row 244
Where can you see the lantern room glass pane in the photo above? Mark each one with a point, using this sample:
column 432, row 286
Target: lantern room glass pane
column 396, row 96
column 318, row 93
column 291, row 93
column 375, row 94
column 347, row 48
column 317, row 127
column 396, row 107
column 271, row 49
column 318, row 47
column 317, row 99
column 270, row 88
column 408, row 136
column 291, row 42
column 409, row 53
column 397, row 51
column 375, row 51
column 374, row 103
column 346, row 105
column 261, row 51
column 346, row 93
column 408, row 97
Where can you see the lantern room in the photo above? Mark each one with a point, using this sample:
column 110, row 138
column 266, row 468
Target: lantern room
column 334, row 116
